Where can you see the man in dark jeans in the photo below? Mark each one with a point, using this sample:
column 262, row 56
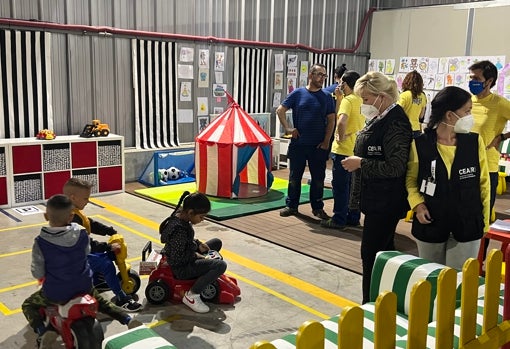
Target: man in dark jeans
column 313, row 118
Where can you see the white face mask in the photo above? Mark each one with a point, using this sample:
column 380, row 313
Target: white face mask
column 464, row 124
column 369, row 110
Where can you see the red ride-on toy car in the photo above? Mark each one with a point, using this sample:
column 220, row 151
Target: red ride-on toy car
column 163, row 286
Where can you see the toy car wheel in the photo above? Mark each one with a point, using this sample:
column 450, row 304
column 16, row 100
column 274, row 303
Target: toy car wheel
column 134, row 279
column 211, row 292
column 97, row 133
column 157, row 292
column 105, row 133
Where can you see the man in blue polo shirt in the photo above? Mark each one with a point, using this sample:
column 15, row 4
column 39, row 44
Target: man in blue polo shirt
column 313, row 118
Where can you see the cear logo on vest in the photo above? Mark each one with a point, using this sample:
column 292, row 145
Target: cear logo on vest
column 374, row 148
column 467, row 170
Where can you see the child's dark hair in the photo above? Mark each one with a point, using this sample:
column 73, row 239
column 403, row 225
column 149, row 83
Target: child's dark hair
column 197, row 202
column 58, row 209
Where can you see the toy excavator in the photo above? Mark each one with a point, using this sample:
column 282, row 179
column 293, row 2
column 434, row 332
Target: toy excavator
column 95, row 129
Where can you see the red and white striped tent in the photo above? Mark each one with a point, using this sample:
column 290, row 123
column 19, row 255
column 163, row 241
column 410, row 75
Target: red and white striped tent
column 233, row 156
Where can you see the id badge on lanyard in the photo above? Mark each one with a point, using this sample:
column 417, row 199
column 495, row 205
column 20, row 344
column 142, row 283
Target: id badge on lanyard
column 428, row 186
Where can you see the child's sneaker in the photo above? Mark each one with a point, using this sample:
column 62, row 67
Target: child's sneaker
column 129, row 304
column 195, row 302
column 47, row 339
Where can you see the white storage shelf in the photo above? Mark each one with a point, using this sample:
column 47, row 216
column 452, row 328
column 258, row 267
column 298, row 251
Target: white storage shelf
column 33, row 170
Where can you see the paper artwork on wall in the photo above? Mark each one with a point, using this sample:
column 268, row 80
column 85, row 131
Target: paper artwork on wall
column 202, row 106
column 292, row 61
column 278, row 62
column 186, row 54
column 303, row 81
column 203, row 58
column 218, row 77
column 277, row 99
column 185, row 71
column 219, row 90
column 185, row 116
column 291, row 85
column 278, row 80
column 203, row 122
column 389, row 67
column 429, row 81
column 218, row 110
column 372, row 64
column 203, row 77
column 185, row 94
column 219, row 61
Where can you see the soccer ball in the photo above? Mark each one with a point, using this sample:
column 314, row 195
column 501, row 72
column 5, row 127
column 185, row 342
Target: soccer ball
column 173, row 173
column 163, row 175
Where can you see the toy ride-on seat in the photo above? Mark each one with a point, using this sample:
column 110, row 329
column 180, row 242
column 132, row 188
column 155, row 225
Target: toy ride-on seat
column 163, row 286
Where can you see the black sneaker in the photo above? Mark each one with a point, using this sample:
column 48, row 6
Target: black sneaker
column 330, row 223
column 320, row 214
column 287, row 211
column 47, row 339
column 129, row 304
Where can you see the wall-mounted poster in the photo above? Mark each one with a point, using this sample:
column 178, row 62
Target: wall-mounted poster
column 185, row 94
column 292, row 61
column 219, row 90
column 278, row 80
column 203, row 58
column 203, row 122
column 185, row 71
column 291, row 84
column 202, row 106
column 186, row 54
column 389, row 67
column 203, row 77
column 219, row 61
column 263, row 120
column 278, row 62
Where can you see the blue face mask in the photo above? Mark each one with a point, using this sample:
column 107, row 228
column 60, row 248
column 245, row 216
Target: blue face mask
column 476, row 87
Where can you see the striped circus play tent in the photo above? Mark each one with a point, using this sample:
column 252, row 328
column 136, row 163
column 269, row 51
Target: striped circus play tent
column 233, row 156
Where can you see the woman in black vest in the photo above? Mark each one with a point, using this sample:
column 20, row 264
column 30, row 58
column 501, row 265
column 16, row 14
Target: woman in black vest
column 379, row 168
column 448, row 182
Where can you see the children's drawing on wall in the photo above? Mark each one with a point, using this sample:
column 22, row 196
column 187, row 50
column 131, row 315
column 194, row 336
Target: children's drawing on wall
column 185, row 95
column 203, row 77
column 185, row 71
column 219, row 90
column 448, row 79
column 278, row 62
column 443, row 65
column 303, row 68
column 202, row 106
column 303, row 81
column 290, row 85
column 203, row 58
column 292, row 61
column 185, row 116
column 389, row 67
column 203, row 122
column 218, row 77
column 399, row 79
column 433, row 65
column 186, row 54
column 263, row 121
column 277, row 97
column 423, row 65
column 219, row 61
column 278, row 80
column 439, row 82
column 413, row 64
column 429, row 81
column 218, row 110
column 460, row 80
column 381, row 65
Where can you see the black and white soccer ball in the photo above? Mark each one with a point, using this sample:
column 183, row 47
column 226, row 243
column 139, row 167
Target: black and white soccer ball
column 173, row 173
column 163, row 175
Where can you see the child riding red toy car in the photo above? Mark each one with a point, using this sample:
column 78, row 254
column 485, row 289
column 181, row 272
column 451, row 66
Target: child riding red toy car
column 163, row 286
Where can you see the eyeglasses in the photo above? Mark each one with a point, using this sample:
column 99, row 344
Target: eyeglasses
column 321, row 75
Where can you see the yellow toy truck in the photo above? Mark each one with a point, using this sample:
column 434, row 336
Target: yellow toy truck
column 95, row 129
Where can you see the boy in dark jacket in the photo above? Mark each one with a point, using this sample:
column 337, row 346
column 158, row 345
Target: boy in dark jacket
column 59, row 262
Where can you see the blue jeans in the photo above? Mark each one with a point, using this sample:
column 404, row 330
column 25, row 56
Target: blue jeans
column 316, row 158
column 101, row 263
column 341, row 184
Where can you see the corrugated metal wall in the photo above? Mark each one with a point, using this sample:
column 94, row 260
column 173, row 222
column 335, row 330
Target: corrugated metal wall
column 92, row 74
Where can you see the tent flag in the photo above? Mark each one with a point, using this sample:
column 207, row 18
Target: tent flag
column 233, row 156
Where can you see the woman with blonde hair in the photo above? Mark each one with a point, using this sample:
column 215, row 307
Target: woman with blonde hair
column 379, row 167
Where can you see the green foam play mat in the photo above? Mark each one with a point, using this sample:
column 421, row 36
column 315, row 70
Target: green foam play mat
column 223, row 208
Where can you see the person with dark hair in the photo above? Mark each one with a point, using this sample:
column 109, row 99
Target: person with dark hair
column 349, row 123
column 448, row 182
column 491, row 113
column 379, row 167
column 413, row 100
column 334, row 89
column 313, row 118
column 59, row 262
column 185, row 254
column 102, row 255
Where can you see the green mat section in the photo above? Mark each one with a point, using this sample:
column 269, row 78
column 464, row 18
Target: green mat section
column 223, row 208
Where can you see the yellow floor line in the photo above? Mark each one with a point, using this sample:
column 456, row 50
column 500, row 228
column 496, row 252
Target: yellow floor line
column 258, row 267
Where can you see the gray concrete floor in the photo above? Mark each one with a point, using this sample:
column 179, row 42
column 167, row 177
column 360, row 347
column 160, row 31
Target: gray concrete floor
column 280, row 289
